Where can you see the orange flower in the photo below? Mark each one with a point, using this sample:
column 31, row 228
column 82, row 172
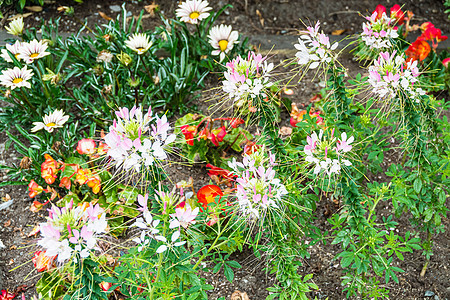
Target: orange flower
column 251, row 147
column 65, row 182
column 94, row 183
column 49, row 169
column 83, row 176
column 418, row 50
column 42, row 262
column 102, row 148
column 34, row 189
column 207, row 194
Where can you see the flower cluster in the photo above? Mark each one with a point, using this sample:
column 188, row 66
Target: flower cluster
column 136, row 139
column 420, row 48
column 28, row 52
column 391, row 73
column 247, row 78
column 380, row 29
column 88, row 147
column 257, row 186
column 150, row 227
column 216, row 135
column 72, row 230
column 327, row 154
column 297, row 115
column 314, row 48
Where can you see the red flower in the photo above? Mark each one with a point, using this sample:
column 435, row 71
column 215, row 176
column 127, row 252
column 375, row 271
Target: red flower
column 431, row 33
column 5, row 295
column 34, row 189
column 207, row 194
column 105, row 285
column 446, row 61
column 217, row 135
column 189, row 132
column 251, row 147
column 396, row 13
column 418, row 50
column 380, row 9
column 220, row 175
column 86, row 146
column 235, row 122
column 42, row 262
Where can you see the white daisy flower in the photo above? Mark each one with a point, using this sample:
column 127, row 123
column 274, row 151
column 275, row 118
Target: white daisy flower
column 14, row 49
column 51, row 121
column 222, row 38
column 192, row 11
column 16, row 77
column 139, row 42
column 33, row 50
column 15, row 26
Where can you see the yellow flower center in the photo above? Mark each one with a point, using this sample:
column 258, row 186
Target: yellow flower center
column 140, row 49
column 51, row 124
column 17, row 80
column 223, row 45
column 194, row 15
column 33, row 55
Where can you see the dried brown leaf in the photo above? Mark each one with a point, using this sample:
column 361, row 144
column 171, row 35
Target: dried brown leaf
column 7, row 223
column 34, row 8
column 237, row 295
column 338, row 31
column 151, row 9
column 18, row 16
column 261, row 19
column 104, row 16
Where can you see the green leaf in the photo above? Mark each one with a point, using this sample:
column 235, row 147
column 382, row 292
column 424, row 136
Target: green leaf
column 234, row 264
column 417, row 185
column 229, row 274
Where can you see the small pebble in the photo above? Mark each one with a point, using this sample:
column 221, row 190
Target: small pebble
column 429, row 293
column 115, row 8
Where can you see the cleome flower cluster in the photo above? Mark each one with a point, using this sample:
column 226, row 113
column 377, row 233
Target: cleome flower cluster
column 327, row 154
column 257, row 186
column 314, row 48
column 137, row 140
column 150, row 227
column 72, row 230
column 391, row 75
column 247, row 79
column 380, row 29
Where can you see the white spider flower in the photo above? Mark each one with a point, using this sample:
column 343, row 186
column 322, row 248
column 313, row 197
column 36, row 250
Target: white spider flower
column 222, row 38
column 193, row 11
column 51, row 121
column 15, row 26
column 33, row 50
column 14, row 78
column 14, row 49
column 139, row 42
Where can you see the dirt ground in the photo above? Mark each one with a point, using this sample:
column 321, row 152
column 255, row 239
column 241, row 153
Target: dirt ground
column 280, row 17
